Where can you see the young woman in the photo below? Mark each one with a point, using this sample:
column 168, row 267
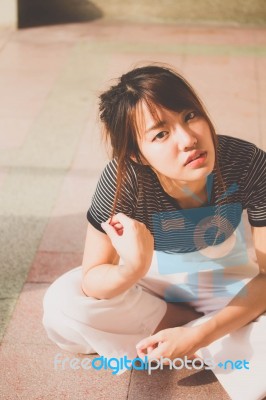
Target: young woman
column 169, row 207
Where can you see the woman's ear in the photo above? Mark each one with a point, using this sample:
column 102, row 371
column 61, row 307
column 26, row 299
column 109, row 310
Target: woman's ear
column 133, row 158
column 143, row 160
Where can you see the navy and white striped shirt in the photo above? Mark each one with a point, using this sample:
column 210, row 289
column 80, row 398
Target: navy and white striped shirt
column 243, row 168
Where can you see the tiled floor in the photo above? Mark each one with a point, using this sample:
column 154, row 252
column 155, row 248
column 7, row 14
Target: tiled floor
column 51, row 156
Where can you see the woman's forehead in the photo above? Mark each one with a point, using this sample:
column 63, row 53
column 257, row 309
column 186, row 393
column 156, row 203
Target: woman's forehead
column 149, row 113
column 146, row 115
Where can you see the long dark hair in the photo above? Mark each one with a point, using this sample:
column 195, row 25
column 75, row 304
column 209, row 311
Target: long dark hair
column 157, row 86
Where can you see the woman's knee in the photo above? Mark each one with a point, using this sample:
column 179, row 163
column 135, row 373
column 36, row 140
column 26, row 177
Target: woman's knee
column 61, row 292
column 60, row 327
column 58, row 294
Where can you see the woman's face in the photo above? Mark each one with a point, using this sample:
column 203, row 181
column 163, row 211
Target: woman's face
column 179, row 146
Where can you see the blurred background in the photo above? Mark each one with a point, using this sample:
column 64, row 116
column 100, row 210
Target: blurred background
column 28, row 13
column 55, row 59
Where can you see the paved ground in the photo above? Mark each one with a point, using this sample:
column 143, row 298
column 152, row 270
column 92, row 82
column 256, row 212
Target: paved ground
column 51, row 156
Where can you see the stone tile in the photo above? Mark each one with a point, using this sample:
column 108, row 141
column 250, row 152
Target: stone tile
column 123, row 62
column 6, row 308
column 5, row 35
column 261, row 87
column 29, row 374
column 173, row 384
column 18, row 56
column 66, row 229
column 111, row 30
column 55, row 134
column 231, row 102
column 62, row 35
column 32, row 71
column 19, row 239
column 222, row 35
column 261, row 72
column 13, row 132
column 66, row 233
column 31, row 189
column 25, row 326
column 260, row 36
column 158, row 33
column 262, row 121
column 47, row 266
column 91, row 155
column 30, row 94
column 3, row 176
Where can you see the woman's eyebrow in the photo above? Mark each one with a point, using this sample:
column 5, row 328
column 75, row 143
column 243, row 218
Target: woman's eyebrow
column 158, row 124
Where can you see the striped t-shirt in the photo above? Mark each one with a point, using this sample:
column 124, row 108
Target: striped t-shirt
column 177, row 230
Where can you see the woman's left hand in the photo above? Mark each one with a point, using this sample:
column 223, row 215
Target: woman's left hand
column 171, row 343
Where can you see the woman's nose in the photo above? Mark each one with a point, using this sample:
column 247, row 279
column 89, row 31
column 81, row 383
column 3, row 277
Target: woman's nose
column 184, row 139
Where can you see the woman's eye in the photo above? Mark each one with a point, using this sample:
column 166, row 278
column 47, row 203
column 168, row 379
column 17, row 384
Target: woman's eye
column 161, row 135
column 190, row 115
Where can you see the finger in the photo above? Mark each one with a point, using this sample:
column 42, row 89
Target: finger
column 123, row 219
column 194, row 356
column 116, row 225
column 156, row 352
column 148, row 341
column 109, row 229
column 113, row 219
column 149, row 349
column 140, row 353
column 144, row 353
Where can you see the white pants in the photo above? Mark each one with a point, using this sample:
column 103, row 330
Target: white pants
column 112, row 327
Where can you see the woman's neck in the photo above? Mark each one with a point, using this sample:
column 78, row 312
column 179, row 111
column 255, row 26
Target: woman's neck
column 188, row 194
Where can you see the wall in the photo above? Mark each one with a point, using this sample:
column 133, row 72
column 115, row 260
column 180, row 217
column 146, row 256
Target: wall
column 8, row 13
column 183, row 11
column 46, row 12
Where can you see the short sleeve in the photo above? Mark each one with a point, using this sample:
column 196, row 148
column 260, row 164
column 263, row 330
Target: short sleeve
column 254, row 189
column 103, row 199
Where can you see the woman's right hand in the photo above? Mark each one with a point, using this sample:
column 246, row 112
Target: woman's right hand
column 133, row 242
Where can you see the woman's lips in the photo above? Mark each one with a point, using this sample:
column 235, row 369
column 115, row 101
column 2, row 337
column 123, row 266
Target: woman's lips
column 198, row 160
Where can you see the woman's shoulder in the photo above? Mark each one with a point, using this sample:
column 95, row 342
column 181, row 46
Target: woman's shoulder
column 131, row 168
column 130, row 177
column 111, row 168
column 234, row 152
column 240, row 161
column 230, row 143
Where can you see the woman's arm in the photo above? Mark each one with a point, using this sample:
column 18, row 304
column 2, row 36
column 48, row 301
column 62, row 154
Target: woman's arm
column 245, row 306
column 102, row 276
